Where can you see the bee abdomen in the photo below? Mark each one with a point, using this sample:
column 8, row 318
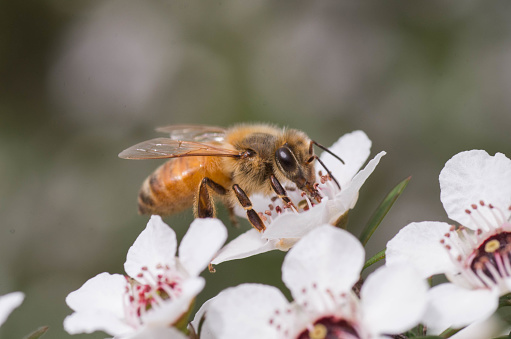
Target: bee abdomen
column 171, row 188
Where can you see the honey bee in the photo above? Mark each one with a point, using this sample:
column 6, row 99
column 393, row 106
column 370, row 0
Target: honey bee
column 232, row 164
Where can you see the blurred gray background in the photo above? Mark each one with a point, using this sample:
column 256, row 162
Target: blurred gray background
column 82, row 80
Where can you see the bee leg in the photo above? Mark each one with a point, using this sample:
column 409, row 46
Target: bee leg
column 281, row 192
column 205, row 204
column 252, row 215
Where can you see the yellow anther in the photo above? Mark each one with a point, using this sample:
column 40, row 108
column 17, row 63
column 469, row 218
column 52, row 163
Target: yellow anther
column 318, row 332
column 491, row 246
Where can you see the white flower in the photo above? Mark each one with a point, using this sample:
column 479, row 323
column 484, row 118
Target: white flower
column 320, row 270
column 285, row 226
column 8, row 302
column 475, row 257
column 159, row 288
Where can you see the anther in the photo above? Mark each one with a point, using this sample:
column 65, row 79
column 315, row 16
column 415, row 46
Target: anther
column 481, row 203
column 491, row 246
column 474, row 206
column 318, row 332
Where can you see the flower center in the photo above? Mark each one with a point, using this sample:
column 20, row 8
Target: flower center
column 483, row 256
column 149, row 291
column 492, row 257
column 330, row 328
column 300, row 201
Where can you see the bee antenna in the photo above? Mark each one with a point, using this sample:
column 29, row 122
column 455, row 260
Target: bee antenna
column 326, row 150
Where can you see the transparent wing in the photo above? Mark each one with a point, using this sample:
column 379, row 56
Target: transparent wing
column 161, row 148
column 198, row 133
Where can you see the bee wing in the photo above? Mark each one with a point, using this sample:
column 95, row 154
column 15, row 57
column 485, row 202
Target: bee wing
column 198, row 133
column 161, row 148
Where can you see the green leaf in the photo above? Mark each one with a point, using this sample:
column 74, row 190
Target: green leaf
column 382, row 210
column 37, row 333
column 377, row 257
column 429, row 337
column 449, row 332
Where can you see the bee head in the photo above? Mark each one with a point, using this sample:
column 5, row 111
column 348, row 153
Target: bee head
column 293, row 162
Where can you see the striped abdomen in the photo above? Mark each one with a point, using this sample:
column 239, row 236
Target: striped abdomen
column 172, row 186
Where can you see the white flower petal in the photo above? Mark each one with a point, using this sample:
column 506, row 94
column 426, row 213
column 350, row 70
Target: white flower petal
column 103, row 292
column 99, row 320
column 393, row 299
column 419, row 244
column 155, row 245
column 354, row 149
column 347, row 198
column 245, row 312
column 247, row 244
column 454, row 306
column 472, row 176
column 171, row 310
column 202, row 241
column 98, row 306
column 157, row 333
column 8, row 303
column 294, row 225
column 492, row 327
column 203, row 330
column 328, row 257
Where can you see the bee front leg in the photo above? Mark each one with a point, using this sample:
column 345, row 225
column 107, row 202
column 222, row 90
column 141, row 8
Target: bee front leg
column 281, row 192
column 245, row 202
column 205, row 204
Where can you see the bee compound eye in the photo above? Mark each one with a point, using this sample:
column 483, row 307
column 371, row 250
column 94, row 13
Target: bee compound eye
column 286, row 159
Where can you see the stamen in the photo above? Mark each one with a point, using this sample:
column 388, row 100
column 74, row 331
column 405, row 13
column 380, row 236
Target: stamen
column 484, row 278
column 507, row 263
column 500, row 265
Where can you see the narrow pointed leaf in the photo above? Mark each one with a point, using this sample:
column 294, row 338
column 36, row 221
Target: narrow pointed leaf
column 37, row 333
column 449, row 332
column 382, row 210
column 377, row 257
